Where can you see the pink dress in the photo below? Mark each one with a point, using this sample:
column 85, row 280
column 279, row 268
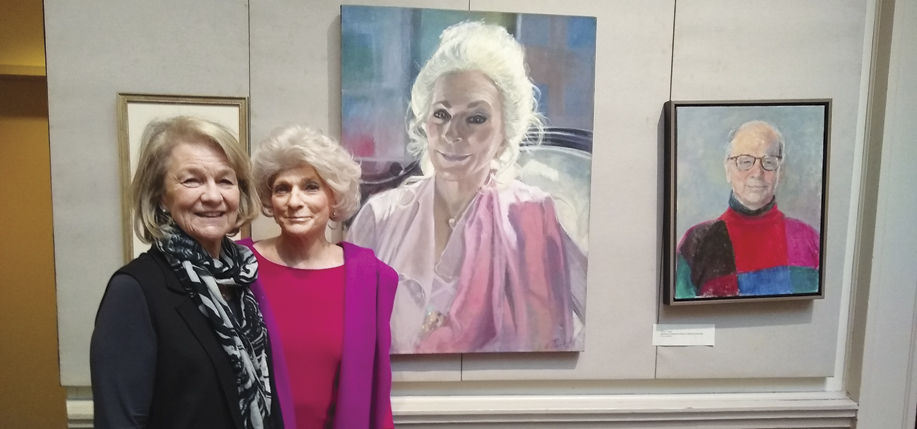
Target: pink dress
column 308, row 306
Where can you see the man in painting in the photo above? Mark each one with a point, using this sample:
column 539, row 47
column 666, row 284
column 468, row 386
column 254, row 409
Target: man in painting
column 752, row 249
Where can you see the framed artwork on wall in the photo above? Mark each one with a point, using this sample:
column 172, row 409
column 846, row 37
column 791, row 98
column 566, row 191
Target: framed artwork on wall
column 745, row 200
column 474, row 132
column 136, row 111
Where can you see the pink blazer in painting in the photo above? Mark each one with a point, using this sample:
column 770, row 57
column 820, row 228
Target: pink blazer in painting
column 509, row 278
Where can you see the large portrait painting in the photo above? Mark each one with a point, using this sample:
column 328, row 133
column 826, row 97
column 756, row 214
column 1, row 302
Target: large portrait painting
column 745, row 199
column 136, row 111
column 474, row 133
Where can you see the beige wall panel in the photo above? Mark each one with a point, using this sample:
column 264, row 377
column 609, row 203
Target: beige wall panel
column 94, row 51
column 633, row 54
column 290, row 68
column 773, row 50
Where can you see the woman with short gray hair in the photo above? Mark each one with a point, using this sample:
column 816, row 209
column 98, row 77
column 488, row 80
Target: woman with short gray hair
column 327, row 305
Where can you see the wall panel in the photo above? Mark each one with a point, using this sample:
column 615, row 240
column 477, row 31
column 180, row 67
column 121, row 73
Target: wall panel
column 94, row 51
column 773, row 50
column 289, row 66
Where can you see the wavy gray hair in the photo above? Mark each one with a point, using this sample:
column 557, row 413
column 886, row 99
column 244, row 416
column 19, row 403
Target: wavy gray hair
column 298, row 145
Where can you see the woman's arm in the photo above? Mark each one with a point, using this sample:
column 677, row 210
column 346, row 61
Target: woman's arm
column 122, row 357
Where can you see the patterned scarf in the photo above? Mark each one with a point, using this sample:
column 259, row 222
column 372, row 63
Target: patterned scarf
column 243, row 338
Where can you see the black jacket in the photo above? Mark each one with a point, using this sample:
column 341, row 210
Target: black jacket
column 193, row 382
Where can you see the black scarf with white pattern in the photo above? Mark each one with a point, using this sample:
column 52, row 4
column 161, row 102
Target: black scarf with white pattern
column 243, row 337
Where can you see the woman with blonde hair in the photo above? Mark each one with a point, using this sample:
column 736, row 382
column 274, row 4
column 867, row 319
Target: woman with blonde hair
column 326, row 305
column 179, row 340
column 484, row 264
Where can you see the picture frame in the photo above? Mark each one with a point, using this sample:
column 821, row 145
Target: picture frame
column 136, row 111
column 450, row 299
column 745, row 200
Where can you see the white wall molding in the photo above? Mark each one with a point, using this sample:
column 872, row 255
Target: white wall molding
column 828, row 410
column 79, row 413
column 886, row 386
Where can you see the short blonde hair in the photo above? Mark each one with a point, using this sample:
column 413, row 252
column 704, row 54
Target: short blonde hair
column 491, row 50
column 148, row 187
column 298, row 145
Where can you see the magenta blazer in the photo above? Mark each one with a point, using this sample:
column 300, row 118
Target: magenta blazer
column 364, row 389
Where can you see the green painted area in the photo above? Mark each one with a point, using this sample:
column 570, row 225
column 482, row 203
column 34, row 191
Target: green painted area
column 805, row 280
column 357, row 66
column 684, row 289
column 434, row 21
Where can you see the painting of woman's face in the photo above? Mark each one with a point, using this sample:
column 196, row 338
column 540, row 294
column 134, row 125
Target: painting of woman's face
column 465, row 126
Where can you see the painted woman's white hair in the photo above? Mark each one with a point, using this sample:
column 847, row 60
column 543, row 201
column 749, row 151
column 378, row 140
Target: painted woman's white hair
column 295, row 146
column 491, row 50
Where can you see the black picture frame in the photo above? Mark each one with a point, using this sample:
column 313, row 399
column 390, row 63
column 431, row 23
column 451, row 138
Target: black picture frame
column 733, row 235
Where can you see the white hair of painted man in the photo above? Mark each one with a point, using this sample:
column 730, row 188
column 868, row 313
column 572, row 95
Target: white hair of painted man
column 755, row 124
column 491, row 50
column 298, row 145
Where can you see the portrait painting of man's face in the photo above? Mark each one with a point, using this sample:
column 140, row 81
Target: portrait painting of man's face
column 474, row 135
column 745, row 200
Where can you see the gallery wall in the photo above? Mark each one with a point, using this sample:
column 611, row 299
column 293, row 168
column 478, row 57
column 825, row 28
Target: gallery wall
column 148, row 48
column 285, row 56
column 774, row 50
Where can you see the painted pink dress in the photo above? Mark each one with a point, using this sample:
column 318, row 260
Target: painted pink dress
column 509, row 278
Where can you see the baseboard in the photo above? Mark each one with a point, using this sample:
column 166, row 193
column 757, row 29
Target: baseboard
column 815, row 410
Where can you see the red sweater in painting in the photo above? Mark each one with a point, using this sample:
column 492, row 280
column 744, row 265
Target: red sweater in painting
column 753, row 253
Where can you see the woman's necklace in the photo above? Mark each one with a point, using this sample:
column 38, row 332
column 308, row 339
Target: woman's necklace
column 453, row 212
column 453, row 218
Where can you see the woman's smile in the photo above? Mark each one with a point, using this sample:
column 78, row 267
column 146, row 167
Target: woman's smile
column 201, row 193
column 465, row 127
column 301, row 202
column 453, row 157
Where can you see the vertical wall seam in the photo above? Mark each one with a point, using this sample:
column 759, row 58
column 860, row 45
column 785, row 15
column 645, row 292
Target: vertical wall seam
column 671, row 80
column 672, row 52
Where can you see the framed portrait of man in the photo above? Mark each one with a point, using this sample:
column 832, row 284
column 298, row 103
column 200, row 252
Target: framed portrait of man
column 745, row 200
